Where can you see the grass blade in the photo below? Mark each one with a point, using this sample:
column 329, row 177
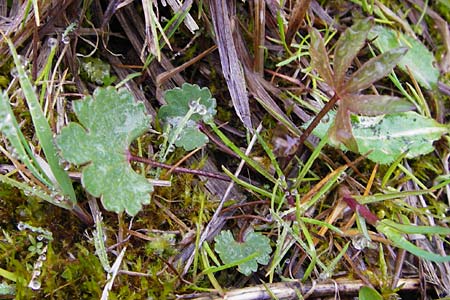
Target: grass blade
column 43, row 130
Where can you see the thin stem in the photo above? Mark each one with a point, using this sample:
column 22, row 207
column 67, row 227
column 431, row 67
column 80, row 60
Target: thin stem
column 178, row 169
column 317, row 119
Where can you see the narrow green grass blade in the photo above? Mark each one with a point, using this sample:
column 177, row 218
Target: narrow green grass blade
column 314, row 155
column 311, row 246
column 273, row 160
column 282, row 247
column 43, row 130
column 247, row 185
column 34, row 191
column 328, row 271
column 414, row 229
column 321, row 223
column 241, row 154
column 11, row 130
column 398, row 239
column 46, row 71
column 8, row 275
column 231, row 265
column 210, row 275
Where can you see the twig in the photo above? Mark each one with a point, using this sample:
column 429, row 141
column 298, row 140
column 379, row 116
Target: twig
column 291, row 290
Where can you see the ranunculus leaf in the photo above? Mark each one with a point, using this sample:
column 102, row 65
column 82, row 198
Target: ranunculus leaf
column 319, row 57
column 109, row 121
column 193, row 100
column 255, row 245
column 373, row 70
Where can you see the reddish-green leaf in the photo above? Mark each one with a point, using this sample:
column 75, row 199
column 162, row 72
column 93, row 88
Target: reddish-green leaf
column 373, row 70
column 319, row 57
column 347, row 47
column 374, row 105
column 341, row 132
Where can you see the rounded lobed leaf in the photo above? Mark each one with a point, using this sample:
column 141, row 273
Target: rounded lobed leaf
column 179, row 99
column 110, row 121
column 182, row 101
column 255, row 245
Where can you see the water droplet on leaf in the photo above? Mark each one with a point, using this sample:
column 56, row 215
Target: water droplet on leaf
column 34, row 284
column 52, row 42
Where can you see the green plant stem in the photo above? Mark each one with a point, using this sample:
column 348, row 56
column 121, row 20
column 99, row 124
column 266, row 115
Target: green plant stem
column 178, row 169
column 176, row 134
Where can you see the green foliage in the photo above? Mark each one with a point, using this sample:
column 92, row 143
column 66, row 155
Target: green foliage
column 396, row 234
column 85, row 274
column 9, row 127
column 368, row 293
column 255, row 249
column 186, row 106
column 347, row 47
column 419, row 60
column 96, row 70
column 7, row 289
column 389, row 136
column 110, row 120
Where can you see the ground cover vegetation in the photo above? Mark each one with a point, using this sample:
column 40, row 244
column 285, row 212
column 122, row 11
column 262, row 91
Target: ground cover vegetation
column 224, row 149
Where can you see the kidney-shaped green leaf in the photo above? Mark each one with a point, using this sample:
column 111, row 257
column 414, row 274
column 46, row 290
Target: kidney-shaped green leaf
column 110, row 120
column 255, row 245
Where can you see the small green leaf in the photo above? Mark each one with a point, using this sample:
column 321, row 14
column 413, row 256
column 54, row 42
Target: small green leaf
column 96, row 71
column 191, row 139
column 194, row 102
column 389, row 136
column 110, row 121
column 368, row 293
column 347, row 47
column 319, row 57
column 419, row 60
column 373, row 70
column 255, row 245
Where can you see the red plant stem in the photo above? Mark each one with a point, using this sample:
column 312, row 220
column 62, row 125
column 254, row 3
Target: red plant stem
column 361, row 209
column 317, row 119
column 178, row 169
